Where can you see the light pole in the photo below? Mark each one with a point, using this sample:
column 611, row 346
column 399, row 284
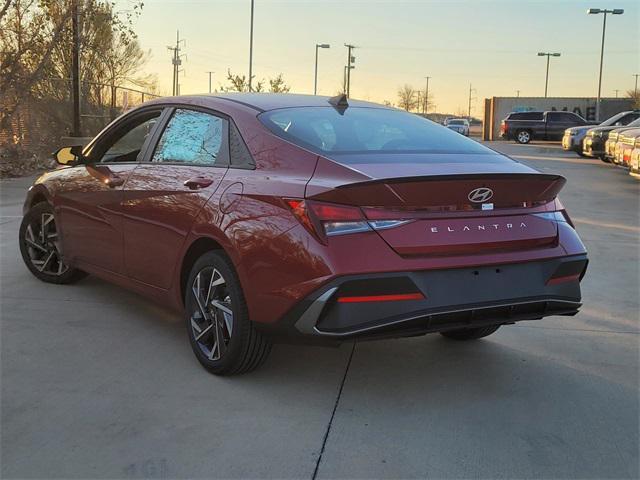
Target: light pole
column 595, row 11
column 546, row 81
column 315, row 77
column 635, row 90
column 251, row 47
column 426, row 97
column 210, row 73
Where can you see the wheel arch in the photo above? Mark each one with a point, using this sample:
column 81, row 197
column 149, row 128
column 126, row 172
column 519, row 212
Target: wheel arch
column 198, row 247
column 37, row 194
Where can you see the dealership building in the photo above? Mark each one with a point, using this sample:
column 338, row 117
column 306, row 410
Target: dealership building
column 497, row 108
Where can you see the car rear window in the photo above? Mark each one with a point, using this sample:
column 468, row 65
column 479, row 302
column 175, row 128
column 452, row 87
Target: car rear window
column 455, row 122
column 526, row 116
column 365, row 129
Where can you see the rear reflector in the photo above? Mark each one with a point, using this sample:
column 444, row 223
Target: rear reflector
column 381, row 298
column 566, row 278
column 568, row 272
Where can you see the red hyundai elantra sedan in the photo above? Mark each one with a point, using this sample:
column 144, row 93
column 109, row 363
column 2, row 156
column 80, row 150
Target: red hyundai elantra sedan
column 268, row 217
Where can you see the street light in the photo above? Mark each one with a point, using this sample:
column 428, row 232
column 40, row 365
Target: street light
column 546, row 81
column 315, row 78
column 595, row 11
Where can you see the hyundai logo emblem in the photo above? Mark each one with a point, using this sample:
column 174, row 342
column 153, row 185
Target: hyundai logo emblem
column 480, row 195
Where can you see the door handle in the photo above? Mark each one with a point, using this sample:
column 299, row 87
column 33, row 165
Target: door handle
column 198, row 182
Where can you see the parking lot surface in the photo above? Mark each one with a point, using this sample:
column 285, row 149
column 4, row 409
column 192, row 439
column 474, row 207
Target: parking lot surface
column 100, row 383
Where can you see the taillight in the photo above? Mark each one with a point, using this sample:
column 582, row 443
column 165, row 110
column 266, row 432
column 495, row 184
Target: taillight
column 328, row 219
column 503, row 127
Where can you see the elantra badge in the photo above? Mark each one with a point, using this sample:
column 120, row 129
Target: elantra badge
column 480, row 195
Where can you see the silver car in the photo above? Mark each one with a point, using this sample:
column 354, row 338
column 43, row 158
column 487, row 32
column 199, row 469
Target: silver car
column 460, row 125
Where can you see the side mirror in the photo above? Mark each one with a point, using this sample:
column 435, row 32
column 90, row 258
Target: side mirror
column 68, row 155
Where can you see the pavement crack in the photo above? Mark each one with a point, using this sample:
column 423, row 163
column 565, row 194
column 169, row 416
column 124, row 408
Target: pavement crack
column 333, row 413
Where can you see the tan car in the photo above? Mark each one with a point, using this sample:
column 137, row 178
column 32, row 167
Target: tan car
column 634, row 162
column 610, row 145
column 624, row 146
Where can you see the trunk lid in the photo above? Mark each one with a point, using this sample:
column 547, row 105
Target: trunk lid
column 452, row 205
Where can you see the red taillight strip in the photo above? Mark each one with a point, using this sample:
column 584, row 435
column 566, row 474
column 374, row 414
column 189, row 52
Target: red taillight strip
column 381, row 298
column 566, row 278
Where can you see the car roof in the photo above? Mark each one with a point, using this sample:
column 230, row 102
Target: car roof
column 267, row 101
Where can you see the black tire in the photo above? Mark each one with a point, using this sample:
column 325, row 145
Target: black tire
column 605, row 159
column 580, row 153
column 44, row 262
column 470, row 333
column 523, row 136
column 243, row 348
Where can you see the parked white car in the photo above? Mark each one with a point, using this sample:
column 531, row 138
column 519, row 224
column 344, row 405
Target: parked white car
column 460, row 125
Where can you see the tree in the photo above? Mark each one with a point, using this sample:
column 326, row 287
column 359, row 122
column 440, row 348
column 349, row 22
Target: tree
column 407, row 97
column 461, row 112
column 239, row 83
column 277, row 85
column 35, row 60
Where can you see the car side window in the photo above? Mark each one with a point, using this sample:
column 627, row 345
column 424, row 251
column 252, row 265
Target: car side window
column 127, row 143
column 564, row 117
column 195, row 138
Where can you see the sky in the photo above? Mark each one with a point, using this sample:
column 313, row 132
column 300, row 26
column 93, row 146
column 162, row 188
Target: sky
column 489, row 44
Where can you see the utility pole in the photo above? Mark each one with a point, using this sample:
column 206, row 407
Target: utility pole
column 425, row 107
column 635, row 90
column 470, row 98
column 251, row 47
column 350, row 59
column 176, row 61
column 75, row 68
column 616, row 90
column 517, row 93
column 210, row 73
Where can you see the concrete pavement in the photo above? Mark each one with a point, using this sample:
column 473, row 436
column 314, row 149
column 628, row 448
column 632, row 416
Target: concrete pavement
column 97, row 382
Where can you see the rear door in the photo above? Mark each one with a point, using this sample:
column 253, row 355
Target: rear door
column 167, row 191
column 89, row 200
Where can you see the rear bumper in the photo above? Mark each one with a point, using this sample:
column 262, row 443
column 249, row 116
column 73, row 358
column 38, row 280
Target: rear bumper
column 453, row 298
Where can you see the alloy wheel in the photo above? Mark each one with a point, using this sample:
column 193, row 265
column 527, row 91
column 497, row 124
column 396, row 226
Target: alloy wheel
column 523, row 137
column 43, row 245
column 212, row 320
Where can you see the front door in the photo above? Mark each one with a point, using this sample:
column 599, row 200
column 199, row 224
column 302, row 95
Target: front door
column 558, row 122
column 89, row 200
column 165, row 194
